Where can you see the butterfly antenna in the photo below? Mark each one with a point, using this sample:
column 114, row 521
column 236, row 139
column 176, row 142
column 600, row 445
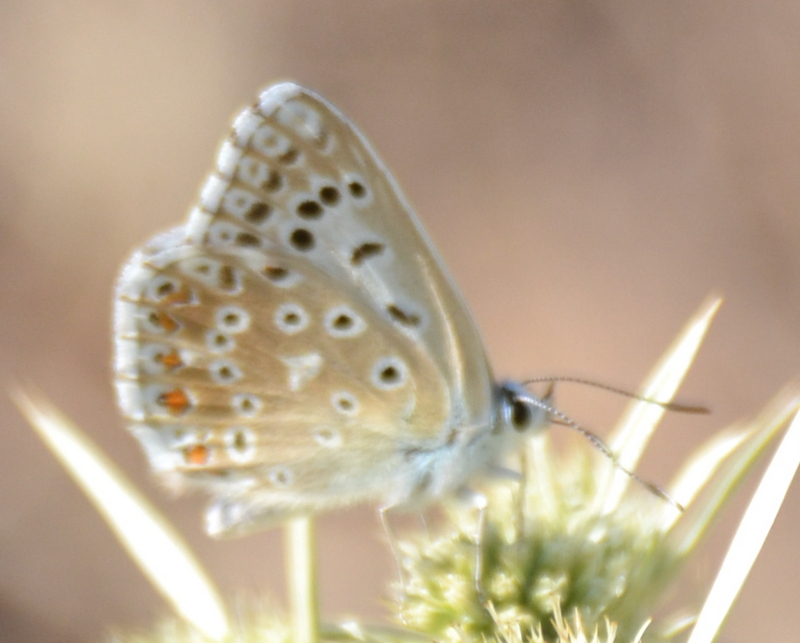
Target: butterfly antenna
column 601, row 446
column 670, row 406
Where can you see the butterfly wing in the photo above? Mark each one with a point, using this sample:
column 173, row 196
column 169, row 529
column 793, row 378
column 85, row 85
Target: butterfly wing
column 298, row 337
column 296, row 173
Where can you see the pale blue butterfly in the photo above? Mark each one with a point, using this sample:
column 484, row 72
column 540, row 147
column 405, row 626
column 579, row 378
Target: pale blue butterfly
column 297, row 344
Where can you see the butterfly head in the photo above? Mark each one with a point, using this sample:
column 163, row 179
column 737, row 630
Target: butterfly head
column 520, row 411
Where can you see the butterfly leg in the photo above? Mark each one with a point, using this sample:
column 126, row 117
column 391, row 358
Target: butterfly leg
column 424, row 523
column 393, row 544
column 522, row 493
column 480, row 503
column 518, row 477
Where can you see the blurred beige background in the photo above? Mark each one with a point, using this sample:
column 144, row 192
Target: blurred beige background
column 589, row 170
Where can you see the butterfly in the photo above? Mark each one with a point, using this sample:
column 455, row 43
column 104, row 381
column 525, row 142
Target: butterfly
column 296, row 345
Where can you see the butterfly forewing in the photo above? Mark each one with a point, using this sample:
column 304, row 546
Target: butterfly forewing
column 297, row 174
column 298, row 337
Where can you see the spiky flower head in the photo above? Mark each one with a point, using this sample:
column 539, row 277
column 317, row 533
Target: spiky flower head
column 575, row 551
column 548, row 548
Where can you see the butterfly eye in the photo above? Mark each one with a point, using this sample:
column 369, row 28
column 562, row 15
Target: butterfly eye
column 520, row 415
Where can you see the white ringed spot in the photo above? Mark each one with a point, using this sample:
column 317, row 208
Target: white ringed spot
column 232, row 319
column 305, row 206
column 389, row 373
column 291, row 318
column 222, row 233
column 358, row 189
column 202, row 269
column 268, row 141
column 224, row 371
column 280, row 476
column 342, row 321
column 240, row 443
column 301, row 118
column 346, row 403
column 213, row 273
column 259, row 175
column 246, row 404
column 166, row 401
column 155, row 322
column 327, row 437
column 159, row 358
column 219, row 342
column 245, row 205
column 161, row 287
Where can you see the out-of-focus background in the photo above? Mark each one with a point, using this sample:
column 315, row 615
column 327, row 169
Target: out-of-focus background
column 590, row 171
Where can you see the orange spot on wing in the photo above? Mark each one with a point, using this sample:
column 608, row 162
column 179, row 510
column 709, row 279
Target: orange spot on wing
column 196, row 455
column 175, row 400
column 180, row 297
column 165, row 321
column 171, row 360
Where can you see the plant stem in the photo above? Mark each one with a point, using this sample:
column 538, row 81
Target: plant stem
column 301, row 571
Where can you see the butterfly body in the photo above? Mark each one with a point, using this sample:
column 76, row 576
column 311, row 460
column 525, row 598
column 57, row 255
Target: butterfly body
column 297, row 345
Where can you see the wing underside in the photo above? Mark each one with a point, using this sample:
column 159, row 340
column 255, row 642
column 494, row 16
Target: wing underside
column 290, row 343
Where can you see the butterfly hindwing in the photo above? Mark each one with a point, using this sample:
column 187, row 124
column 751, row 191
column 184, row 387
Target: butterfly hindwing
column 235, row 364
